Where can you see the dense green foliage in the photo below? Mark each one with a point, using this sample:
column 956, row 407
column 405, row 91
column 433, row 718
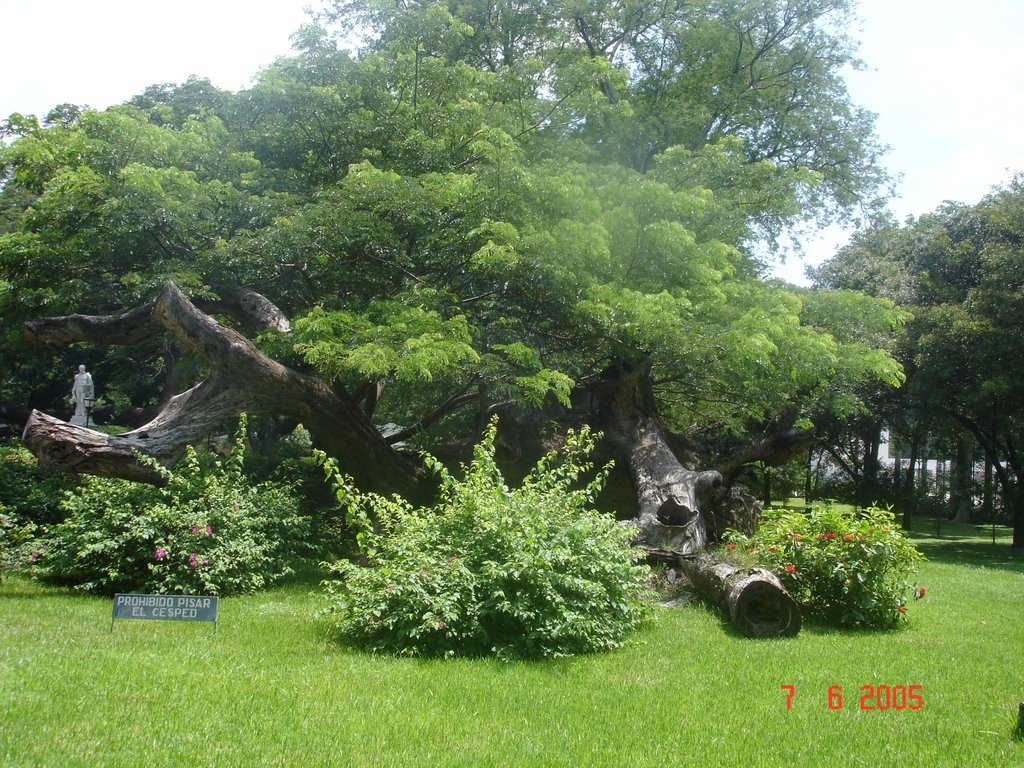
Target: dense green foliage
column 846, row 567
column 960, row 273
column 29, row 495
column 29, row 501
column 515, row 572
column 208, row 531
column 479, row 205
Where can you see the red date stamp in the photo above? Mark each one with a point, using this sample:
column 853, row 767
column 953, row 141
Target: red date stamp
column 872, row 697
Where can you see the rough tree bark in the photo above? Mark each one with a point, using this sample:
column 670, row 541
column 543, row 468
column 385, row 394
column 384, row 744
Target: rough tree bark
column 670, row 497
column 677, row 509
column 241, row 379
column 755, row 599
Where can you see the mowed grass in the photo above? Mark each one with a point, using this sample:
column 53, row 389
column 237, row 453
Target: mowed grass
column 271, row 689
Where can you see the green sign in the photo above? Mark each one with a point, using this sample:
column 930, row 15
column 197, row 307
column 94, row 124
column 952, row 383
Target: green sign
column 165, row 607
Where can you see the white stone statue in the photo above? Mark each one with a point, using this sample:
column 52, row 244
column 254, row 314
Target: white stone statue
column 83, row 395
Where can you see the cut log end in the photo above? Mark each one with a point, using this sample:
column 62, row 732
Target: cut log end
column 757, row 602
column 760, row 607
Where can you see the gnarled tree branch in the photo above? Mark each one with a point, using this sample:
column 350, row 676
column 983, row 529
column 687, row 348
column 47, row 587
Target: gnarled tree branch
column 241, row 379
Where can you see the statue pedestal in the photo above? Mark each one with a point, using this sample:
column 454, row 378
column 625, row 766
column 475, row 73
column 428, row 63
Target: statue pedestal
column 80, row 421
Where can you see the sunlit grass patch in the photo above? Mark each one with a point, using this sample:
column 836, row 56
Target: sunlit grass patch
column 270, row 688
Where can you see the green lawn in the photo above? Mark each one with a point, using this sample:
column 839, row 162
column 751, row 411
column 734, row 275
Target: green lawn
column 269, row 689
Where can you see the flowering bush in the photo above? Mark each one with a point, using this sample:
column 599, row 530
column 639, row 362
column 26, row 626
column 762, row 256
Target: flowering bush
column 847, row 567
column 208, row 531
column 520, row 573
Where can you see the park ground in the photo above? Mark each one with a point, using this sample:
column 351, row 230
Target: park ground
column 270, row 687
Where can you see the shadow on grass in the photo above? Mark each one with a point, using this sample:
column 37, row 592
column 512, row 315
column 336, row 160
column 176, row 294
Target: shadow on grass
column 972, row 553
column 18, row 585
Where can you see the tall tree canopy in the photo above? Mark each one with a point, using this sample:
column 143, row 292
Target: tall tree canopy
column 540, row 204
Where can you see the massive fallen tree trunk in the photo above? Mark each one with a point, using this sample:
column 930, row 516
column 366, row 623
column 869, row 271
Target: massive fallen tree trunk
column 673, row 501
column 241, row 379
column 680, row 510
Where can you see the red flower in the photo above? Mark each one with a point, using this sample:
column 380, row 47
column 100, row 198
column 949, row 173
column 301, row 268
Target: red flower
column 848, row 537
column 920, row 592
column 773, row 549
column 901, row 609
column 790, row 569
column 730, row 546
column 798, row 537
column 830, row 535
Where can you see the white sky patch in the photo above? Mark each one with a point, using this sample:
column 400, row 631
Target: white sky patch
column 945, row 79
column 104, row 52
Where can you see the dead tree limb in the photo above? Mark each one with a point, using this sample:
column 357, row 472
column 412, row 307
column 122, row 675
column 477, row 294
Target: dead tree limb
column 241, row 379
column 754, row 598
column 670, row 496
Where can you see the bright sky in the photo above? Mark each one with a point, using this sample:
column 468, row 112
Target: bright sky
column 946, row 81
column 944, row 76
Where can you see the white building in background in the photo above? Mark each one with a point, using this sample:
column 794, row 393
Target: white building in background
column 889, row 454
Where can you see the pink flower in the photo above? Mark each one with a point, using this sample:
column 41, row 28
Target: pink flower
column 193, row 560
column 790, row 569
column 35, row 555
column 440, row 625
column 195, row 529
column 160, row 554
column 209, row 531
column 206, row 561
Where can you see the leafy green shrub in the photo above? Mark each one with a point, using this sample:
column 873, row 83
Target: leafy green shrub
column 207, row 531
column 14, row 536
column 28, row 495
column 520, row 573
column 845, row 566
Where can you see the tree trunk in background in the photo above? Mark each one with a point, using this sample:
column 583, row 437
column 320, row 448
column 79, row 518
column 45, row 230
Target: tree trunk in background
column 868, row 487
column 809, row 476
column 962, row 483
column 909, row 495
column 988, row 493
